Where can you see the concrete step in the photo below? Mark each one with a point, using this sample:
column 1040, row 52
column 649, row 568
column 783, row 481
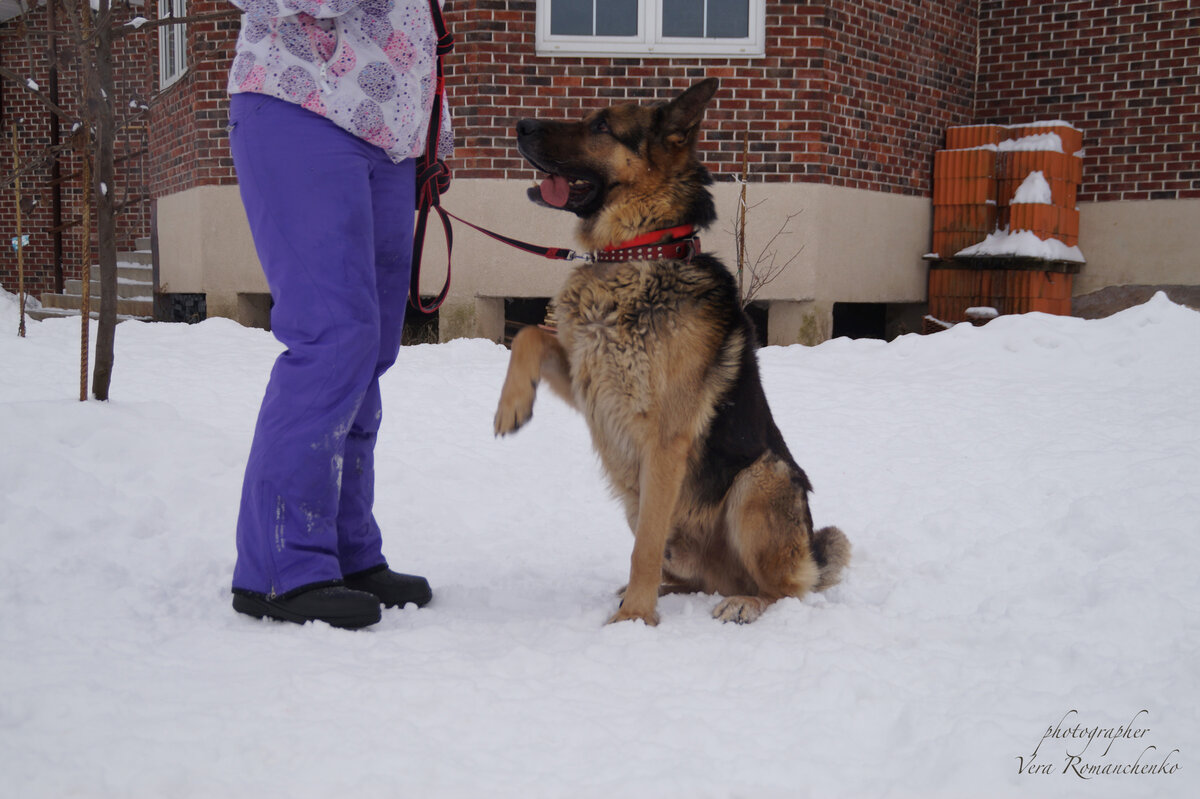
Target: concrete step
column 131, row 270
column 65, row 313
column 135, row 290
column 141, row 308
column 143, row 257
column 126, row 288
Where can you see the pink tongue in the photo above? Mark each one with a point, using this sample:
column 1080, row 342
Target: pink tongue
column 556, row 191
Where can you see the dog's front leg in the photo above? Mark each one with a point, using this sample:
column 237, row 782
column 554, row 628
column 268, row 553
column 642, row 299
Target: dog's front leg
column 536, row 354
column 662, row 473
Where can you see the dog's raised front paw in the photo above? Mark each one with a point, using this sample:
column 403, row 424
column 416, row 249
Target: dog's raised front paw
column 515, row 408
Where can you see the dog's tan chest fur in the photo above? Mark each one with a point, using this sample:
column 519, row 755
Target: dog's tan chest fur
column 624, row 327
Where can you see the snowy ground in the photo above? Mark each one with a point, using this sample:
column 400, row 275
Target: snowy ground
column 1022, row 499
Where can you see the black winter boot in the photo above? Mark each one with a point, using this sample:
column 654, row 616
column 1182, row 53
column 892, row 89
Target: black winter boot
column 336, row 605
column 393, row 590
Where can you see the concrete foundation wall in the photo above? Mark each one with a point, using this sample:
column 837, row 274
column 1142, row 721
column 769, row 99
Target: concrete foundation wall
column 845, row 245
column 204, row 246
column 1148, row 242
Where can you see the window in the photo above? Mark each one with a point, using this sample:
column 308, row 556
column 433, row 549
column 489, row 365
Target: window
column 729, row 28
column 172, row 43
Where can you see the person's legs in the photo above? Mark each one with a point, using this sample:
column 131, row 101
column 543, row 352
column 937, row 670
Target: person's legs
column 393, row 198
column 306, row 187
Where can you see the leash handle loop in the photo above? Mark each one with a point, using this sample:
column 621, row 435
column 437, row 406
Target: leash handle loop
column 433, row 176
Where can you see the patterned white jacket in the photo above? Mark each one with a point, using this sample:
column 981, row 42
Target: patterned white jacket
column 367, row 65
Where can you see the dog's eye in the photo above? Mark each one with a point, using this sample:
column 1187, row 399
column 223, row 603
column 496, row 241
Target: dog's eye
column 601, row 126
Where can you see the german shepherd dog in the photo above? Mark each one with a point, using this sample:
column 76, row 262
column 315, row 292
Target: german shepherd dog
column 660, row 358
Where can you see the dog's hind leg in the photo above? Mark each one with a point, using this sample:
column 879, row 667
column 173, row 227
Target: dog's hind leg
column 768, row 523
column 536, row 356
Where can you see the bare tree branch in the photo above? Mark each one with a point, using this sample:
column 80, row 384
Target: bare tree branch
column 126, row 28
column 764, row 271
column 34, row 163
column 25, row 83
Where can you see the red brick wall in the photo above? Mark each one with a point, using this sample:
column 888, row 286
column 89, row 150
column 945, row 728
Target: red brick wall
column 1125, row 73
column 190, row 144
column 901, row 72
column 850, row 92
column 133, row 57
column 17, row 105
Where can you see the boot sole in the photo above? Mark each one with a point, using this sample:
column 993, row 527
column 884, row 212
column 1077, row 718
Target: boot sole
column 264, row 608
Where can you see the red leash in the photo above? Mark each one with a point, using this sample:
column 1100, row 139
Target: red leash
column 682, row 244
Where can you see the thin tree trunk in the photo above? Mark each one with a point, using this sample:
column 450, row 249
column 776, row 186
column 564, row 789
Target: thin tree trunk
column 740, row 223
column 85, row 304
column 104, row 116
column 20, row 244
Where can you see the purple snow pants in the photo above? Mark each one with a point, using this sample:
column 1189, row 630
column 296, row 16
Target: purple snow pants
column 332, row 221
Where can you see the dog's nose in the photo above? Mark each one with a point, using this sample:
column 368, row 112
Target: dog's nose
column 527, row 127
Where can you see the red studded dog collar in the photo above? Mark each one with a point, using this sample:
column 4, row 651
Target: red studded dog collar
column 677, row 243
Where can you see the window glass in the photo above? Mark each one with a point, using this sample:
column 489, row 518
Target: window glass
column 571, row 17
column 728, row 19
column 617, row 28
column 172, row 43
column 711, row 19
column 616, row 17
column 594, row 17
column 683, row 18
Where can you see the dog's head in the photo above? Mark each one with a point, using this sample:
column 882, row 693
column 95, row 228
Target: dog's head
column 624, row 170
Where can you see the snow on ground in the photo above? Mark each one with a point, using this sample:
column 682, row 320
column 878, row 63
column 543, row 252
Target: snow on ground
column 1021, row 498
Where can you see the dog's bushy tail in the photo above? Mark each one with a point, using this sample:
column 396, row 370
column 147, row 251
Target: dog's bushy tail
column 831, row 550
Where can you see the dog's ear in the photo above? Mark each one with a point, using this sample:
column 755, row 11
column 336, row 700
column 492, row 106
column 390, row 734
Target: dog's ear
column 683, row 114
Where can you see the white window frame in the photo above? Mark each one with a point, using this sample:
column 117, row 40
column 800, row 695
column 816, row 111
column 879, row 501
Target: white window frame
column 649, row 40
column 172, row 43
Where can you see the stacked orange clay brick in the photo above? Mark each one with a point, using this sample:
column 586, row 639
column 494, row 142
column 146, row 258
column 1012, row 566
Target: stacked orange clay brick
column 977, row 194
column 981, row 169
